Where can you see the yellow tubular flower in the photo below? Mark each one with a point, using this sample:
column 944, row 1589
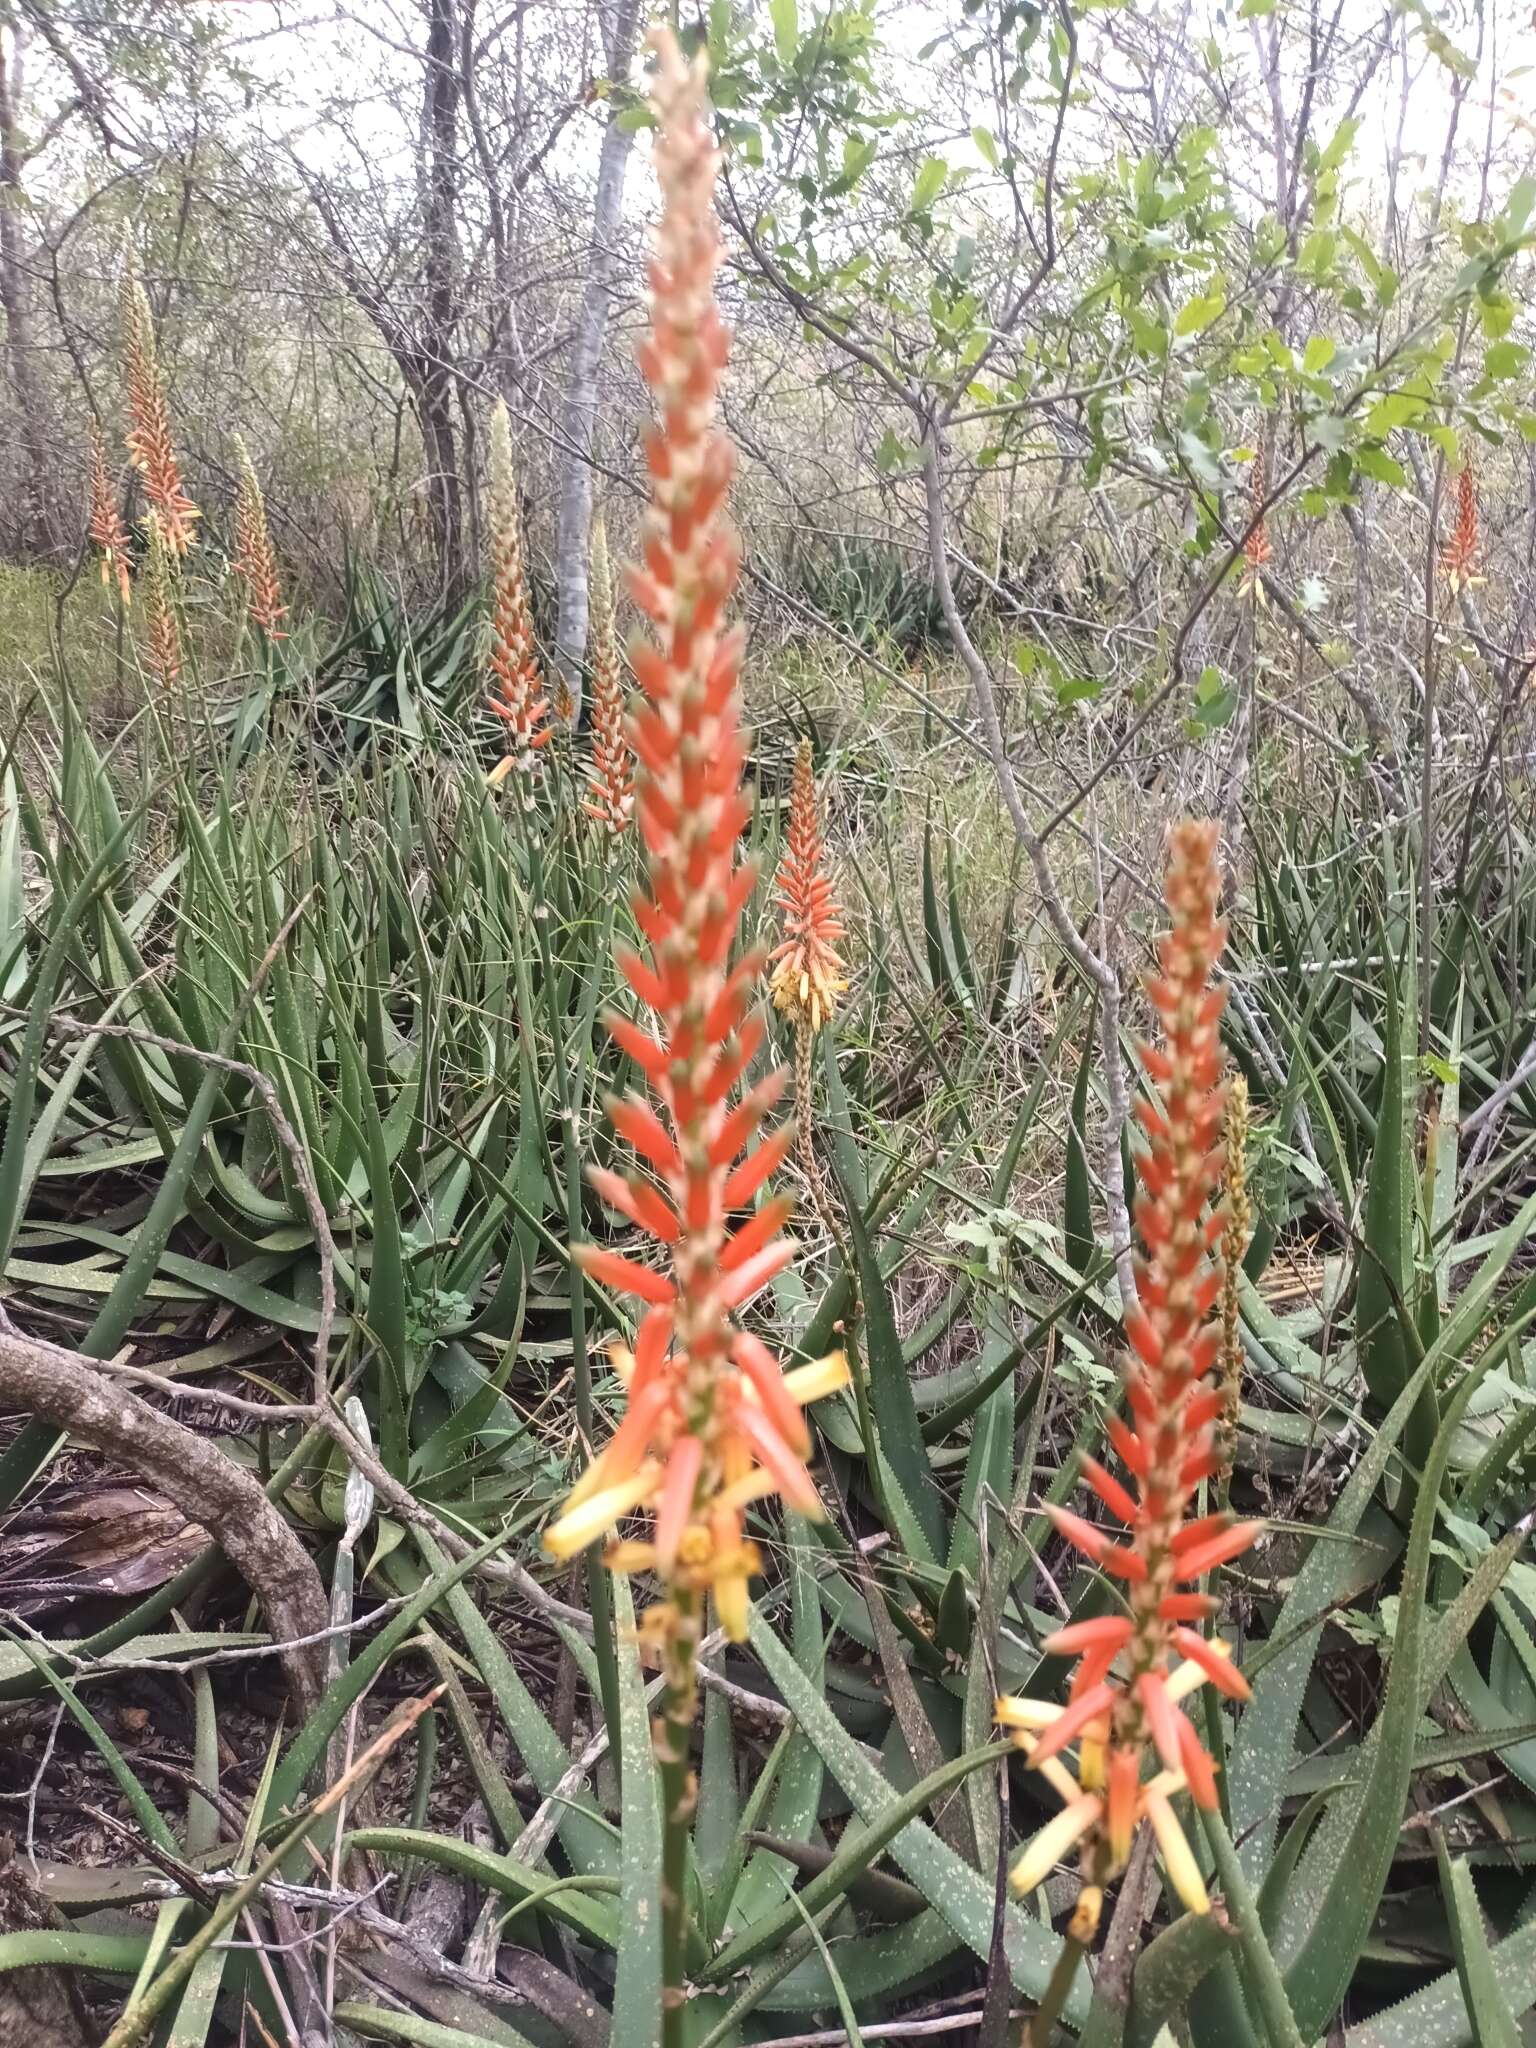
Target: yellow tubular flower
column 1061, row 1834
column 1177, row 1856
column 601, row 1511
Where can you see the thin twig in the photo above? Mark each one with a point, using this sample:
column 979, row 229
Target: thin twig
column 85, row 1667
column 1098, row 970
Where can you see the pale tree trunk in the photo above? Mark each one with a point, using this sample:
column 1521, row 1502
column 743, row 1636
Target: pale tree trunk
column 434, row 393
column 36, row 527
column 619, row 19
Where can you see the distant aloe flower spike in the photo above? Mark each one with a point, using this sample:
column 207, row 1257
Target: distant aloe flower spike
column 808, row 978
column 255, row 561
column 712, row 1423
column 1236, row 1230
column 148, row 439
column 162, row 634
column 107, row 529
column 808, row 974
column 1136, row 1668
column 611, row 795
column 1458, row 558
column 1257, row 552
column 517, row 693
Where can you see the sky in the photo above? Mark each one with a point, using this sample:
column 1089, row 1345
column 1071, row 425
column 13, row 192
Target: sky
column 315, row 54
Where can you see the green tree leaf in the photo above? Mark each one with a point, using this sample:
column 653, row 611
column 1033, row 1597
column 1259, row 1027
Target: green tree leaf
column 929, row 184
column 785, row 15
column 1198, row 313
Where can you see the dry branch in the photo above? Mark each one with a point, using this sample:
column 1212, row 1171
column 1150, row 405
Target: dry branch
column 67, row 1391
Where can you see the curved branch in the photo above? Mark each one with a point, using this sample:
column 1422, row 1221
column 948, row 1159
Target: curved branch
column 70, row 1393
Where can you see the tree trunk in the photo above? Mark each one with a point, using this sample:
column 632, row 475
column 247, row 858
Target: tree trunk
column 38, row 524
column 435, row 390
column 619, row 20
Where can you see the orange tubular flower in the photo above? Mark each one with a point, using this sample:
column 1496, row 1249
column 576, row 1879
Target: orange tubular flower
column 255, row 561
column 712, row 1423
column 1458, row 558
column 162, row 635
column 517, row 694
column 149, row 435
column 612, row 795
column 1125, row 1698
column 808, row 977
column 107, row 528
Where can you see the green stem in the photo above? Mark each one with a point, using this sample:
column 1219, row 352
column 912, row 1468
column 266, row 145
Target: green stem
column 673, row 1733
column 805, row 1123
column 1216, row 1742
column 1259, row 1967
column 1427, row 756
column 1041, row 2024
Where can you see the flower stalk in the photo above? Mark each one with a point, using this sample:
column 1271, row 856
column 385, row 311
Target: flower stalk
column 808, row 974
column 162, row 632
column 148, row 439
column 611, row 780
column 1459, row 556
column 1135, row 1669
column 1257, row 551
column 807, row 980
column 106, row 528
column 712, row 1425
column 518, row 695
column 255, row 559
column 1236, row 1231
